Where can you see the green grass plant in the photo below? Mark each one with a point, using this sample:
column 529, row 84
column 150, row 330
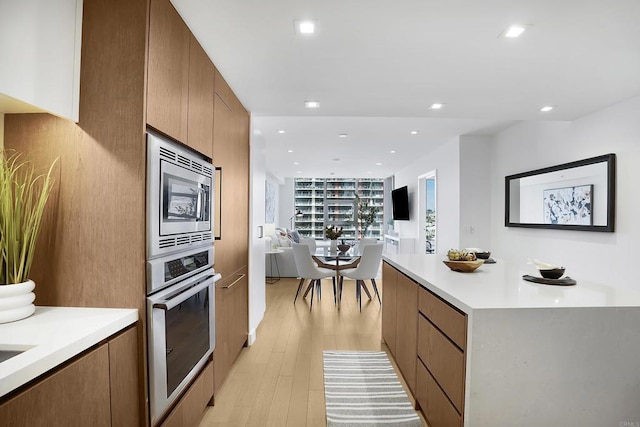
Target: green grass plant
column 23, row 195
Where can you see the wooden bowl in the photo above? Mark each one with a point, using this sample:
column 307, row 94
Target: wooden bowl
column 463, row 266
column 344, row 248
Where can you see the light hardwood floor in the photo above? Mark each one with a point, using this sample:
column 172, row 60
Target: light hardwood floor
column 278, row 380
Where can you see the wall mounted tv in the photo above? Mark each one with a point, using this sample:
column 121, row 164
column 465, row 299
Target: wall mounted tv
column 400, row 202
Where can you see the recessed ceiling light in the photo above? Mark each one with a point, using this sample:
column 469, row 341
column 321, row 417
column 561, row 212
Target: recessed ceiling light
column 336, row 160
column 281, row 131
column 546, row 108
column 305, row 27
column 369, row 172
column 296, row 163
column 514, row 31
column 392, row 151
column 299, row 171
column 343, row 135
column 436, row 106
column 378, row 164
column 289, row 151
column 311, row 104
column 414, row 132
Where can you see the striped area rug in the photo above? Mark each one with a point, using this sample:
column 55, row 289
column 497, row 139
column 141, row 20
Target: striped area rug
column 362, row 389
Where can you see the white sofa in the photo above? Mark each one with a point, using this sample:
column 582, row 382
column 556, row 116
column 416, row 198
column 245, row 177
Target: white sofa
column 286, row 264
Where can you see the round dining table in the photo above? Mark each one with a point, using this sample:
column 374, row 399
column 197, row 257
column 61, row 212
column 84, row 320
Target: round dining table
column 333, row 259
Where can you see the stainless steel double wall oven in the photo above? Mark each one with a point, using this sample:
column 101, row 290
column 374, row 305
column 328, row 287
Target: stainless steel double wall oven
column 180, row 274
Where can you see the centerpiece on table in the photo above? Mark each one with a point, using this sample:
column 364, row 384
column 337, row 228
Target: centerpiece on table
column 333, row 234
column 23, row 195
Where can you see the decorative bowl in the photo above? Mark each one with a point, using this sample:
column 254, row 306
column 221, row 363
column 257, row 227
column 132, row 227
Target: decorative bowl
column 344, row 248
column 463, row 266
column 552, row 273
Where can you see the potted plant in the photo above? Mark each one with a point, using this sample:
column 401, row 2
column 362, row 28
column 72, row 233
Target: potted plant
column 23, row 195
column 366, row 215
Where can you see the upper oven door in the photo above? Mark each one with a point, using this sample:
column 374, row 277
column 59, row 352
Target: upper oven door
column 185, row 200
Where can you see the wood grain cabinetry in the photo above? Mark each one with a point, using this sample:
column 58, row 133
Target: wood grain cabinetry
column 180, row 80
column 399, row 320
column 232, row 322
column 389, row 293
column 231, row 153
column 442, row 333
column 189, row 409
column 98, row 388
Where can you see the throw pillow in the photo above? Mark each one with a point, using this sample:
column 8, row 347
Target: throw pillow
column 293, row 235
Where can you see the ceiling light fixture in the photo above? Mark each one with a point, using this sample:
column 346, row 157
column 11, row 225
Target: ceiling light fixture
column 311, row 104
column 289, row 151
column 305, row 27
column 343, row 135
column 299, row 171
column 414, row 132
column 296, row 163
column 436, row 106
column 392, row 151
column 546, row 108
column 378, row 164
column 281, row 131
column 514, row 31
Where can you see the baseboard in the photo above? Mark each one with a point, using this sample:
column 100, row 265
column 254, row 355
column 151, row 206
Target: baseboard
column 251, row 338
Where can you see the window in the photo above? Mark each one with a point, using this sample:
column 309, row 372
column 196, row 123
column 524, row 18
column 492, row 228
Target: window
column 334, row 201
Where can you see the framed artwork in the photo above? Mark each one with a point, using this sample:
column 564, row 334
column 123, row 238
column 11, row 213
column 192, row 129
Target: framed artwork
column 568, row 205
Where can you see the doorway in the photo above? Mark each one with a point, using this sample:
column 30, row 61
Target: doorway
column 428, row 212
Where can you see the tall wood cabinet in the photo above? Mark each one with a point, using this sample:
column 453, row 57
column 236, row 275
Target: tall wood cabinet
column 231, row 154
column 180, row 80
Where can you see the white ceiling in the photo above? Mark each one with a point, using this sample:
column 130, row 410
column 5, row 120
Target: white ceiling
column 375, row 66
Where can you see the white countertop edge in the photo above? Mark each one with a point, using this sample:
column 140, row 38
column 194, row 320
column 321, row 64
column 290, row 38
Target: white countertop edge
column 23, row 368
column 430, row 287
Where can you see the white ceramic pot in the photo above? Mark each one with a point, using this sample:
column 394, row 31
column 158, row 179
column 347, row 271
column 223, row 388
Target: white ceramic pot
column 333, row 245
column 16, row 301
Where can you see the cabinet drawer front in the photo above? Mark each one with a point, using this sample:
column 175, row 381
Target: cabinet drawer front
column 450, row 321
column 436, row 408
column 444, row 360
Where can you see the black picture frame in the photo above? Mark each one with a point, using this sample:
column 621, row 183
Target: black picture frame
column 609, row 159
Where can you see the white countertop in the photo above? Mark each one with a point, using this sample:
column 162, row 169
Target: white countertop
column 500, row 286
column 53, row 335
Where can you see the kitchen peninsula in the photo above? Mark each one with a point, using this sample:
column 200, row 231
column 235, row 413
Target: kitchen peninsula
column 489, row 349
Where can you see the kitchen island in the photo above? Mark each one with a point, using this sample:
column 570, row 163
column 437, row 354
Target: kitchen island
column 492, row 349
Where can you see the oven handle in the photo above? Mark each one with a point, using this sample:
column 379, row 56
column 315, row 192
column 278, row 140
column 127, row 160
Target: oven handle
column 168, row 304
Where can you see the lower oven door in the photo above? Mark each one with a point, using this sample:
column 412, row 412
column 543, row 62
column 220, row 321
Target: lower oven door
column 181, row 337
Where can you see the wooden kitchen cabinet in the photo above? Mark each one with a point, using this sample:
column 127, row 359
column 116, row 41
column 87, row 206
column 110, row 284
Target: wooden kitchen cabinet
column 389, row 286
column 180, row 82
column 231, row 153
column 98, row 388
column 168, row 71
column 442, row 333
column 407, row 328
column 232, row 322
column 399, row 320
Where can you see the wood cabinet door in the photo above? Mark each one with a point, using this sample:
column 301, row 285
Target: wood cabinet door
column 389, row 287
column 168, row 71
column 201, row 93
column 76, row 395
column 124, row 378
column 221, row 355
column 407, row 328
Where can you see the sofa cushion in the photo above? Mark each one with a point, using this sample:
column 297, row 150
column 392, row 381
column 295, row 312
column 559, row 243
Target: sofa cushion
column 293, row 235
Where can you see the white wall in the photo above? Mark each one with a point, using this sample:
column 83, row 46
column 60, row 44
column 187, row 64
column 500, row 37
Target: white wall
column 257, row 289
column 285, row 204
column 601, row 257
column 444, row 160
column 475, row 192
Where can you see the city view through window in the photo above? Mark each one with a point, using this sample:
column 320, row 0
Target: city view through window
column 355, row 204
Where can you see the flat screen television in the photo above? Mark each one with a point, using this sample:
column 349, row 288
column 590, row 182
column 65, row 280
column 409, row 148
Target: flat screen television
column 400, row 202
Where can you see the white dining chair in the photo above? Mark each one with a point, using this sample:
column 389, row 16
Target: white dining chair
column 366, row 241
column 311, row 243
column 308, row 270
column 367, row 269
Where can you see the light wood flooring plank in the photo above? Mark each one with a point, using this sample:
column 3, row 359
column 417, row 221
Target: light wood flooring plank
column 278, row 381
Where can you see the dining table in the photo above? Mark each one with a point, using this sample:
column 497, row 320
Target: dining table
column 333, row 259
